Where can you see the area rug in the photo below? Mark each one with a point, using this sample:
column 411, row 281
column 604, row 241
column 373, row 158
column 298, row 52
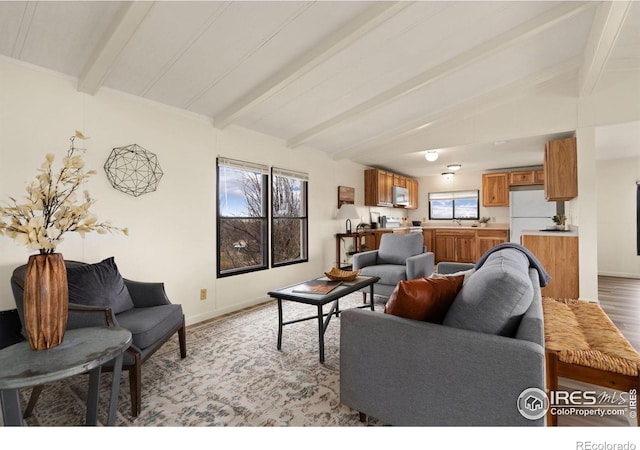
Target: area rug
column 233, row 376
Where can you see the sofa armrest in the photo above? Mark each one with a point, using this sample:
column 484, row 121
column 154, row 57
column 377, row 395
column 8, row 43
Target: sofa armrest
column 420, row 266
column 145, row 294
column 364, row 259
column 406, row 372
column 82, row 316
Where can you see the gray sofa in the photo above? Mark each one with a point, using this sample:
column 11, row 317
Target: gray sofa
column 469, row 370
column 399, row 257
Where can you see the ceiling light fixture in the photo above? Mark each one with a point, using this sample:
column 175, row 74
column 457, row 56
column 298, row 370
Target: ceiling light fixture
column 448, row 176
column 454, row 166
column 431, row 155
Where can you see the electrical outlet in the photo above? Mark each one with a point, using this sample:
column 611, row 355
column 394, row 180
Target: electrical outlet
column 203, row 294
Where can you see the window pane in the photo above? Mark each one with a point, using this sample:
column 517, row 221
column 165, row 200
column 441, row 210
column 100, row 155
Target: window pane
column 441, row 209
column 287, row 198
column 466, row 209
column 240, row 193
column 288, row 240
column 241, row 244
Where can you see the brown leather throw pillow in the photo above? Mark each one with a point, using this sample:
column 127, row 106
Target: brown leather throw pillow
column 425, row 299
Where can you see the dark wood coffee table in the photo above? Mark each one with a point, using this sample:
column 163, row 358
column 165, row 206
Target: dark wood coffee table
column 318, row 300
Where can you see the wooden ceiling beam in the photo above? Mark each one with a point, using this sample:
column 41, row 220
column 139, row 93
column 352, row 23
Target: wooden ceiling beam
column 605, row 30
column 378, row 145
column 360, row 26
column 127, row 22
column 494, row 45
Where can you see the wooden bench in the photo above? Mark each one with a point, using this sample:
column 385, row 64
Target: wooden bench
column 583, row 344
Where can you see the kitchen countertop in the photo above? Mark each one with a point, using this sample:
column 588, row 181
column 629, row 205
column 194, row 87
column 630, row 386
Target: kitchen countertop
column 573, row 232
column 497, row 227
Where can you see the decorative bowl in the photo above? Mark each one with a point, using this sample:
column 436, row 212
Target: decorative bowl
column 342, row 275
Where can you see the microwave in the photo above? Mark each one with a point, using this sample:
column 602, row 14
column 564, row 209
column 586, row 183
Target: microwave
column 400, row 196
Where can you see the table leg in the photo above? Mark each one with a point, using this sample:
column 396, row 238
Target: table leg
column 11, row 412
column 115, row 388
column 92, row 396
column 371, row 297
column 320, row 334
column 279, row 345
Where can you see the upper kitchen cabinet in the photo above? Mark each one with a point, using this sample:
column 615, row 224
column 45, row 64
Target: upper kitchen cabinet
column 561, row 170
column 378, row 188
column 495, row 189
column 526, row 177
column 412, row 186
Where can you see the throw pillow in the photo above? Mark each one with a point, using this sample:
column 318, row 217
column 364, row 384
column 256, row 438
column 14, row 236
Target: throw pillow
column 465, row 273
column 425, row 299
column 99, row 284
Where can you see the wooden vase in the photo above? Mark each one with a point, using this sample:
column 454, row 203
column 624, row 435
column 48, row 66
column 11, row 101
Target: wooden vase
column 46, row 300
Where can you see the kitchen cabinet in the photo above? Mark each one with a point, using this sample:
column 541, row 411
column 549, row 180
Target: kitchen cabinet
column 495, row 189
column 455, row 245
column 378, row 186
column 399, row 180
column 559, row 257
column 561, row 170
column 427, row 235
column 526, row 177
column 412, row 186
column 488, row 239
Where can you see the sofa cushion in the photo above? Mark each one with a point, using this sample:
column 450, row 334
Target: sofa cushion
column 496, row 297
column 389, row 274
column 99, row 284
column 396, row 248
column 426, row 299
column 149, row 325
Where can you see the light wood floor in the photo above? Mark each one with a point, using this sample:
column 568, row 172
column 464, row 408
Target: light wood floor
column 620, row 299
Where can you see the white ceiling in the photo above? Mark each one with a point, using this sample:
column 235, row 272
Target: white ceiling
column 347, row 78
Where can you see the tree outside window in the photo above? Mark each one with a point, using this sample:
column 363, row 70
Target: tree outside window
column 242, row 217
column 289, row 222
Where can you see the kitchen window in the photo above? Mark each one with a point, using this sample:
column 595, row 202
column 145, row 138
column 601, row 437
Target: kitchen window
column 463, row 205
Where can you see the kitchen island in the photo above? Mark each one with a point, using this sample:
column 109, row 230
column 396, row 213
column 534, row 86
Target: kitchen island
column 558, row 253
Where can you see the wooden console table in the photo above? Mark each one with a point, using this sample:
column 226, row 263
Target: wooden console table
column 357, row 246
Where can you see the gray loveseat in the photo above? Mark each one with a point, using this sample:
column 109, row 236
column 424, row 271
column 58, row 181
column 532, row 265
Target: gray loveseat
column 469, row 370
column 400, row 257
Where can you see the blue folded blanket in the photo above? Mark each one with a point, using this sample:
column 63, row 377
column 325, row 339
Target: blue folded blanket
column 533, row 261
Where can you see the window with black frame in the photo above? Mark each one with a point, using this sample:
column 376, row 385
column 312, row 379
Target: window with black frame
column 289, row 221
column 242, row 217
column 462, row 205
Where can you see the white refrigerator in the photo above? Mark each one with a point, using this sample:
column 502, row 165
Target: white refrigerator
column 529, row 210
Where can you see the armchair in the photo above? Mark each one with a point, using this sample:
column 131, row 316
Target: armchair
column 99, row 296
column 399, row 257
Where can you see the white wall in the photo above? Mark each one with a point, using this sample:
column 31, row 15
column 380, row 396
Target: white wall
column 172, row 230
column 616, row 189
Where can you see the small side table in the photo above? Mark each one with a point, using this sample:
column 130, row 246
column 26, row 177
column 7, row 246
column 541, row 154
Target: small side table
column 82, row 350
column 357, row 245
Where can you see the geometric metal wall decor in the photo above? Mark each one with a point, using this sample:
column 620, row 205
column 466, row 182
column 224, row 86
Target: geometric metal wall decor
column 133, row 170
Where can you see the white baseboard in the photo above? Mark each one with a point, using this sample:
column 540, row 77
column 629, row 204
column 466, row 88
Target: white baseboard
column 619, row 275
column 191, row 320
